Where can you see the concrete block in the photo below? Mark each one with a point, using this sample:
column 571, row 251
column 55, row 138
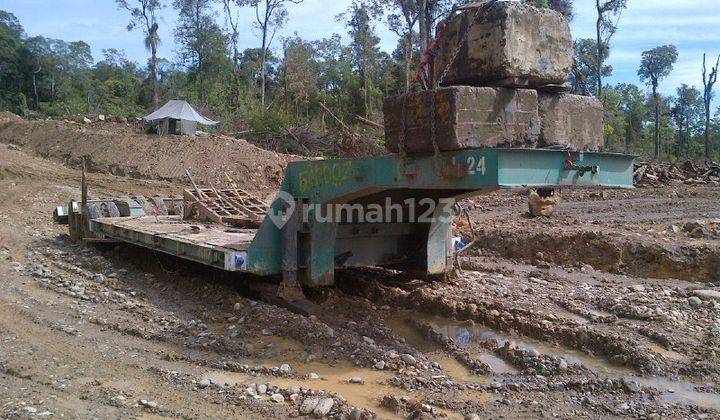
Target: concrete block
column 515, row 44
column 571, row 120
column 465, row 117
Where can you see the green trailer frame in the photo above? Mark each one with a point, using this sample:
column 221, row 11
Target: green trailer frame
column 305, row 246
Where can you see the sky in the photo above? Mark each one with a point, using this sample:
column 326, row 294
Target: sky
column 691, row 25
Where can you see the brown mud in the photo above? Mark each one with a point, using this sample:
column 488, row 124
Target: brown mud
column 115, row 331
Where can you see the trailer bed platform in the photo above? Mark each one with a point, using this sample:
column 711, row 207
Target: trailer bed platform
column 212, row 244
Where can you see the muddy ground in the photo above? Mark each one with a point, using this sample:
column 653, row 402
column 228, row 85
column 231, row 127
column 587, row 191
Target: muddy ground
column 607, row 309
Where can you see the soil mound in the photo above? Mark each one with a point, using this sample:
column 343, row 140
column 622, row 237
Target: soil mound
column 9, row 116
column 122, row 149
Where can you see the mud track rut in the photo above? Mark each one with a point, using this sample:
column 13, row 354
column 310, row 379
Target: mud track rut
column 114, row 332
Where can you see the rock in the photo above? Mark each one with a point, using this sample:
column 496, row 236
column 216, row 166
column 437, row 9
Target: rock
column 293, row 390
column 408, row 358
column 148, row 404
column 694, row 301
column 368, row 340
column 631, row 386
column 356, row 414
column 323, row 407
column 472, row 417
column 265, row 331
column 308, row 405
column 278, row 398
column 250, row 391
column 313, row 376
column 500, row 117
column 356, row 380
column 284, row 367
column 86, row 120
column 511, row 41
column 261, row 389
column 707, row 294
column 237, row 306
column 637, row 288
column 571, row 120
column 30, row 409
column 101, row 117
column 379, row 365
column 204, row 383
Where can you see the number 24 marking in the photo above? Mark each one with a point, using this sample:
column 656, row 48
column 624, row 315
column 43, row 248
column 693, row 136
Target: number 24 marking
column 476, row 165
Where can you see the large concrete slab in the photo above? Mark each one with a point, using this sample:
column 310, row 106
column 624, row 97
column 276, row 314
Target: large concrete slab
column 465, row 117
column 571, row 120
column 515, row 44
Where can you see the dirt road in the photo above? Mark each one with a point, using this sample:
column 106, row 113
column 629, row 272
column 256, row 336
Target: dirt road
column 550, row 318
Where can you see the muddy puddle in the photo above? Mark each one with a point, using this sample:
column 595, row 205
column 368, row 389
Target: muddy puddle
column 334, row 378
column 471, row 336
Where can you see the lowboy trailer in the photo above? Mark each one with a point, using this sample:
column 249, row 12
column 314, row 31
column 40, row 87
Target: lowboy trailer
column 305, row 246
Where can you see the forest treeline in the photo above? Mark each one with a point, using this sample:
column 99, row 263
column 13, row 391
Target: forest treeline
column 324, row 96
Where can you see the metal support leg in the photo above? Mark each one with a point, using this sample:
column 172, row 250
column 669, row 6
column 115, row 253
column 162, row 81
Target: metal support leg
column 439, row 247
column 289, row 289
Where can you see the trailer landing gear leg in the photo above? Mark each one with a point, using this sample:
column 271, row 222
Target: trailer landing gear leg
column 289, row 293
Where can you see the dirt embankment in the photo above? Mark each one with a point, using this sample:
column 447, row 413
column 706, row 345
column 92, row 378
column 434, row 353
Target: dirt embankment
column 121, row 149
column 671, row 232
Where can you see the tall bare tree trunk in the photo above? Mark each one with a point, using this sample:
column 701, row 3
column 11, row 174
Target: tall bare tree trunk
column 153, row 74
column 657, row 122
column 707, row 130
column 598, row 50
column 423, row 22
column 408, row 61
column 263, row 54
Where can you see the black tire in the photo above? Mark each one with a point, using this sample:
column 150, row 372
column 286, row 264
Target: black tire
column 159, row 205
column 147, row 207
column 92, row 211
column 112, row 209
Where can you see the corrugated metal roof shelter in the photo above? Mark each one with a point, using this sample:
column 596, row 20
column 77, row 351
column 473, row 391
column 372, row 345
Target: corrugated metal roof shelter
column 166, row 118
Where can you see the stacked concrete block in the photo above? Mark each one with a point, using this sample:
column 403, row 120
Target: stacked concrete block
column 571, row 120
column 499, row 90
column 464, row 117
column 513, row 43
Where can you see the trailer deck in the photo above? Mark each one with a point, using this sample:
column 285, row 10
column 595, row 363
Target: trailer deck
column 294, row 239
column 212, row 244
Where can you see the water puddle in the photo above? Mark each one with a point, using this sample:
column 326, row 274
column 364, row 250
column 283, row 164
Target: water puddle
column 564, row 313
column 680, row 392
column 668, row 354
column 455, row 370
column 469, row 335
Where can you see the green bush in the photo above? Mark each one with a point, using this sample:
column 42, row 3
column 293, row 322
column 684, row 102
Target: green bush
column 269, row 122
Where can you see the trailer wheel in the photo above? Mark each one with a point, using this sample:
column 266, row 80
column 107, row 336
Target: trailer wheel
column 112, row 209
column 147, row 207
column 93, row 211
column 159, row 205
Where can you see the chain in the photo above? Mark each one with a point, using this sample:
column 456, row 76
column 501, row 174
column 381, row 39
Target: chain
column 401, row 140
column 479, row 12
column 433, row 139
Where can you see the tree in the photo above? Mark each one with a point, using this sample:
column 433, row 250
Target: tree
column 604, row 30
column 686, row 113
column 708, row 83
column 270, row 15
column 142, row 13
column 364, row 45
column 656, row 64
column 564, row 7
column 403, row 27
column 584, row 73
column 202, row 42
